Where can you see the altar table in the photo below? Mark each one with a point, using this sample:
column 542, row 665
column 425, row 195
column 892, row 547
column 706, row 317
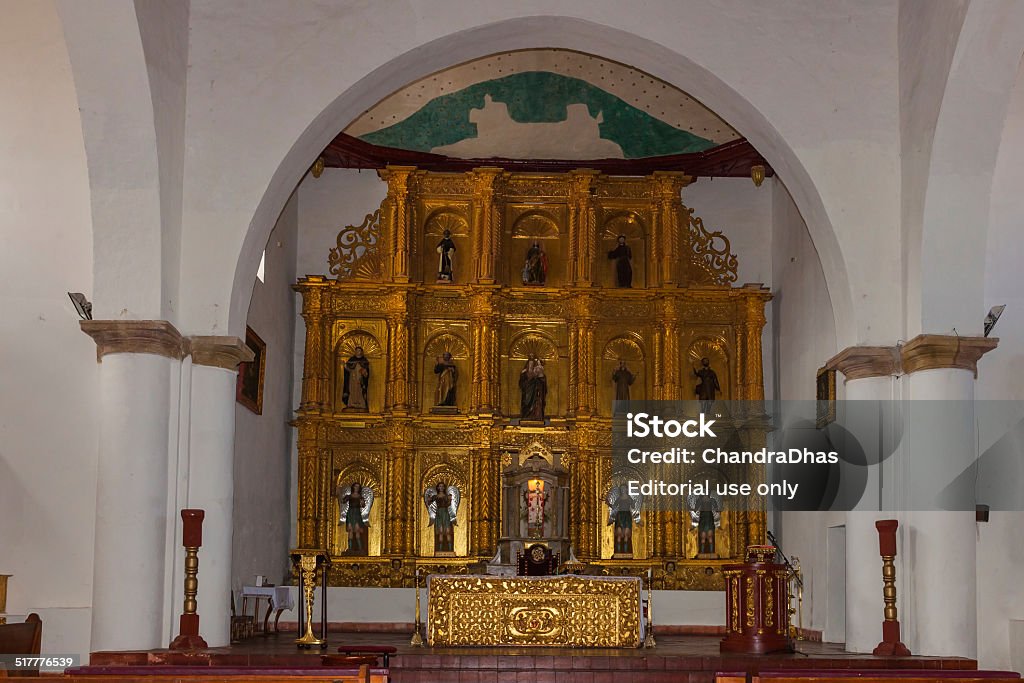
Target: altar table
column 278, row 597
column 547, row 611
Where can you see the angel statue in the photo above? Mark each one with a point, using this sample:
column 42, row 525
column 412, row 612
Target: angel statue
column 442, row 503
column 355, row 502
column 623, row 512
column 706, row 515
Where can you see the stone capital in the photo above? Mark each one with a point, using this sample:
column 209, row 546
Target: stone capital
column 220, row 352
column 861, row 362
column 156, row 337
column 937, row 351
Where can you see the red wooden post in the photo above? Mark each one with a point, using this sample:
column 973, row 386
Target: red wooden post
column 891, row 643
column 192, row 538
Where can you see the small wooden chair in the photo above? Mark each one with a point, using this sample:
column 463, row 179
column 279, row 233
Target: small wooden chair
column 243, row 626
column 21, row 639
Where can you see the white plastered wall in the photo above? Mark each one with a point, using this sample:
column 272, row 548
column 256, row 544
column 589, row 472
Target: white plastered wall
column 48, row 434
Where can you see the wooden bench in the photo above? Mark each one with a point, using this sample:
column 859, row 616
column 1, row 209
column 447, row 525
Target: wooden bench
column 220, row 674
column 25, row 638
column 884, row 676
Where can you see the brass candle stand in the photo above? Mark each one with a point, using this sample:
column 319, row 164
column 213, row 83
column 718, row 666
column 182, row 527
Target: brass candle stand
column 417, row 639
column 891, row 644
column 310, row 562
column 649, row 636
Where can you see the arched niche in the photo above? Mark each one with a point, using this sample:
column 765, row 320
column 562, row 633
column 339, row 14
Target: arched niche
column 337, row 534
column 724, row 541
column 529, row 224
column 454, row 220
column 521, row 348
column 628, row 347
column 633, row 227
column 438, row 345
column 344, row 349
column 642, row 533
column 715, row 349
column 449, row 471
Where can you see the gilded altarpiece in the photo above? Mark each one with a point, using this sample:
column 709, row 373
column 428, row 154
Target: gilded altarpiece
column 384, row 295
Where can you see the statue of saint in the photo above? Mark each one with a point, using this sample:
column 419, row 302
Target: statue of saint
column 447, row 376
column 622, row 255
column 442, row 507
column 446, row 258
column 622, row 378
column 707, row 386
column 355, row 502
column 623, row 512
column 535, row 498
column 357, row 381
column 533, row 384
column 706, row 515
column 535, row 268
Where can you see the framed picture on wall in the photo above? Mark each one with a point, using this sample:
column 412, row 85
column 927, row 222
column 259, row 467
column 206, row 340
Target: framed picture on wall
column 826, row 395
column 249, row 391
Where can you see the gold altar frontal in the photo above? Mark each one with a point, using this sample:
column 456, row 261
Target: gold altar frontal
column 545, row 611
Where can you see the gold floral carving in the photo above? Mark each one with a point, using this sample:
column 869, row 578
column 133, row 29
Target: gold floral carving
column 567, row 611
column 357, row 253
column 711, row 261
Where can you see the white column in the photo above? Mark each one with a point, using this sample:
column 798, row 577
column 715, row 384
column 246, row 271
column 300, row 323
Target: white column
column 941, row 599
column 211, row 475
column 869, row 384
column 939, row 444
column 137, row 359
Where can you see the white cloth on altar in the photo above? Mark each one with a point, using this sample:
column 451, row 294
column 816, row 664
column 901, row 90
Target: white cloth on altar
column 280, row 596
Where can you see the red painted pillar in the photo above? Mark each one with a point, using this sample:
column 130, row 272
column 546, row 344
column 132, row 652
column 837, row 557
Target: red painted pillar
column 891, row 644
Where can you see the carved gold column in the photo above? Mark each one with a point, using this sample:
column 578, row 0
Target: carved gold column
column 668, row 186
column 582, row 225
column 753, row 325
column 574, row 372
column 582, row 361
column 669, row 345
column 398, row 354
column 324, row 494
column 307, row 471
column 486, row 222
column 314, row 393
column 397, row 214
column 484, row 353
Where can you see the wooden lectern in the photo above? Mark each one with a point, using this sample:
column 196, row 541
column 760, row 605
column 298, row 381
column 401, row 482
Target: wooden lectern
column 756, row 604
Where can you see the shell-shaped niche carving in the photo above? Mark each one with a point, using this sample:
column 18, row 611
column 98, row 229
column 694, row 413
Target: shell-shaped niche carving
column 440, row 221
column 447, row 343
column 357, row 254
column 623, row 348
column 347, row 345
column 536, row 225
column 626, row 223
column 532, row 344
column 712, row 349
column 447, row 472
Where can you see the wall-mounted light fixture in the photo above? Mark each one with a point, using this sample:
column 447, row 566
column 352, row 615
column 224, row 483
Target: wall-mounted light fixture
column 82, row 305
column 757, row 174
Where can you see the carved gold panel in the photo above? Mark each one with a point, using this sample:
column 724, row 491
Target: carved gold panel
column 564, row 611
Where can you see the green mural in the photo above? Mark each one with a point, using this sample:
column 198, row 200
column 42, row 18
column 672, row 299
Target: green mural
column 537, row 97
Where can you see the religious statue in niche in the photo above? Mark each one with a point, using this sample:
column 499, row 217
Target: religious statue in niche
column 447, row 377
column 623, row 256
column 534, row 499
column 708, row 385
column 533, row 385
column 623, row 512
column 446, row 258
column 355, row 502
column 535, row 267
column 706, row 515
column 442, row 503
column 623, row 379
column 357, row 382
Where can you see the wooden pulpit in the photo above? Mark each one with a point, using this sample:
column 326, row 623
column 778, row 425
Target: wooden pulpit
column 756, row 604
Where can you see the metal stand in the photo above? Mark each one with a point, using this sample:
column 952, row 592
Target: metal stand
column 308, row 562
column 417, row 639
column 649, row 637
